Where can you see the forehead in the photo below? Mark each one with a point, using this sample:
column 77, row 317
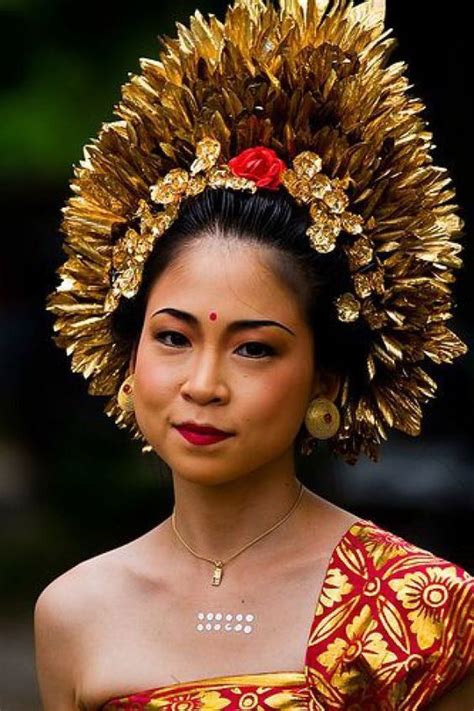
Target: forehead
column 219, row 276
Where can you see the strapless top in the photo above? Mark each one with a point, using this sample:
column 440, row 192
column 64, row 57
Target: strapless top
column 392, row 630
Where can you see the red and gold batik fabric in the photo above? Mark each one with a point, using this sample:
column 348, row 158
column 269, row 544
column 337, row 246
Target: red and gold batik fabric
column 392, row 631
column 393, row 627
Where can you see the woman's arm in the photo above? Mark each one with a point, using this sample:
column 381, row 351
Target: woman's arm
column 55, row 619
column 461, row 698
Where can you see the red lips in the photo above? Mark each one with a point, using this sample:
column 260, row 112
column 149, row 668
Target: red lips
column 201, row 429
column 200, row 437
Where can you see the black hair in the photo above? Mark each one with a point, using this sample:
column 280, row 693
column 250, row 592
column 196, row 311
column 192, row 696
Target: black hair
column 272, row 219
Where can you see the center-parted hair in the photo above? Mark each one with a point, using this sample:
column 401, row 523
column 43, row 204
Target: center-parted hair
column 276, row 223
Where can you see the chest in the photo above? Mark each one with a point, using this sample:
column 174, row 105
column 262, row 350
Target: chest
column 148, row 636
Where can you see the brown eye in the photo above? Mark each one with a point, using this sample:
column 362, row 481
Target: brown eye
column 160, row 337
column 269, row 350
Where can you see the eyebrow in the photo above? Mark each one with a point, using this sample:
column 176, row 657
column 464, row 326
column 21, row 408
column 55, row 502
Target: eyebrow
column 232, row 327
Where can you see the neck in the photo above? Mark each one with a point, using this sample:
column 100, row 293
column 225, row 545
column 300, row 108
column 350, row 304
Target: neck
column 215, row 521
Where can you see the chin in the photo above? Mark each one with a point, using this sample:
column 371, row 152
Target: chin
column 201, row 478
column 206, row 470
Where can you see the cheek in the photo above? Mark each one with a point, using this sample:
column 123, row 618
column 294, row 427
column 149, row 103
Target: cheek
column 152, row 382
column 265, row 396
column 279, row 396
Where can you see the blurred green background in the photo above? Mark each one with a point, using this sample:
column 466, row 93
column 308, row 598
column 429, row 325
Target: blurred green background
column 71, row 484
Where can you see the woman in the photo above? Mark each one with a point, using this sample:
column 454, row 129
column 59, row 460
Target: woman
column 268, row 293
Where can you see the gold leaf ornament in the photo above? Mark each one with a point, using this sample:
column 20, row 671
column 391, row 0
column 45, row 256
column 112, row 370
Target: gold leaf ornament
column 348, row 307
column 170, row 188
column 319, row 90
column 207, row 153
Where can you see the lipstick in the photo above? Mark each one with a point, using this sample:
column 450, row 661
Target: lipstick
column 201, row 438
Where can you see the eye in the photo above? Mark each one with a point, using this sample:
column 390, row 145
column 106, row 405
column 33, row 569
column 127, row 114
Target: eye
column 160, row 337
column 270, row 351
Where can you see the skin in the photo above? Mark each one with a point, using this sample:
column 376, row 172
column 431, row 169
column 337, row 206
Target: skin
column 226, row 494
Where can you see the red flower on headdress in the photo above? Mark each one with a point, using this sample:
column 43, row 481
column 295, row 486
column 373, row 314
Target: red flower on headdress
column 259, row 164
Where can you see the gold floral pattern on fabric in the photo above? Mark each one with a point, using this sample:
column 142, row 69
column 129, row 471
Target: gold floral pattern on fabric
column 424, row 593
column 335, row 586
column 361, row 639
column 392, row 630
column 275, row 690
column 400, row 634
column 383, row 545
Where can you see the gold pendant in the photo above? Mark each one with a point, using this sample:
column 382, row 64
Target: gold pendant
column 217, row 575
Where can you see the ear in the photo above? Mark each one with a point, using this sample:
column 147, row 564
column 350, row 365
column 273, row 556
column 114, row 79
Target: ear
column 133, row 358
column 326, row 384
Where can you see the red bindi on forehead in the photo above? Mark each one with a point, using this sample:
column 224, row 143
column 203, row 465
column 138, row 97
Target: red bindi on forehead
column 212, row 316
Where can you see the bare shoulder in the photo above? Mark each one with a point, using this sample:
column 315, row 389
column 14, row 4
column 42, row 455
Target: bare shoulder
column 65, row 611
column 73, row 591
column 68, row 597
column 327, row 516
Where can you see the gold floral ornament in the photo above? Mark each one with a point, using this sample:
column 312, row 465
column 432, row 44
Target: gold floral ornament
column 308, row 89
column 130, row 253
column 254, row 167
column 328, row 206
column 348, row 308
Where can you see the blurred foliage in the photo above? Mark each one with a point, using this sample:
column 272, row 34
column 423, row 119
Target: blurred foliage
column 67, row 62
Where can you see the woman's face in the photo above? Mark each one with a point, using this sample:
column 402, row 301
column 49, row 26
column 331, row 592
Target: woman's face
column 255, row 381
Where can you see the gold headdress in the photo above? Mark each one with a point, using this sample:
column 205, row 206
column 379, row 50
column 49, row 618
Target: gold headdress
column 309, row 86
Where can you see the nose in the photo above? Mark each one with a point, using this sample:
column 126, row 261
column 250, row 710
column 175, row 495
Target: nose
column 205, row 379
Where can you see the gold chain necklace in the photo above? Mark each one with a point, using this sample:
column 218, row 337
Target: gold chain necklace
column 219, row 564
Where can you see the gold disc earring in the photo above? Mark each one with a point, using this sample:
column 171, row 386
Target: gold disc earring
column 322, row 418
column 125, row 395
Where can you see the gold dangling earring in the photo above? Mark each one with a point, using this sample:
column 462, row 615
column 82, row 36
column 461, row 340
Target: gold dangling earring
column 125, row 395
column 322, row 418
